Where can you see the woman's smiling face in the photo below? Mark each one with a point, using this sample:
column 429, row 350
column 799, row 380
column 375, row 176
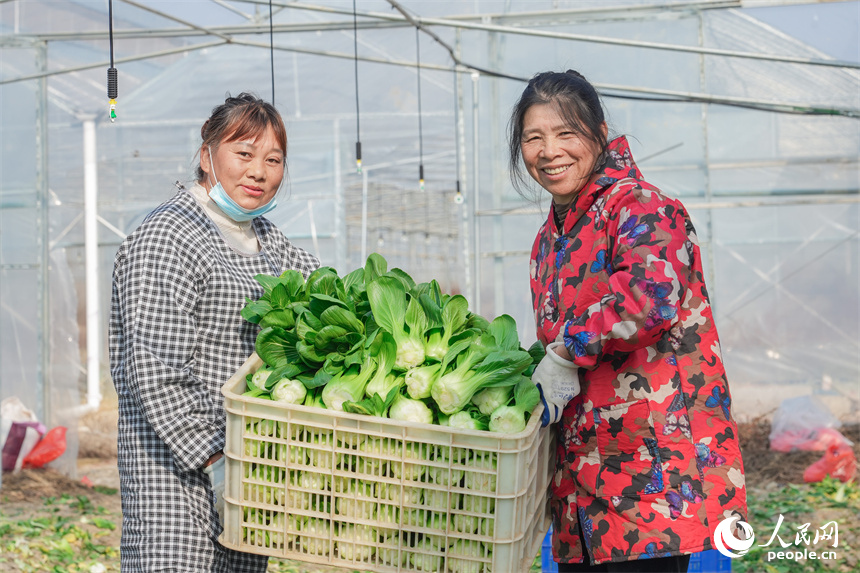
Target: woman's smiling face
column 558, row 158
column 250, row 169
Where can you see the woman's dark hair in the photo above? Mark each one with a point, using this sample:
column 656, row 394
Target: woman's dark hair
column 237, row 118
column 577, row 102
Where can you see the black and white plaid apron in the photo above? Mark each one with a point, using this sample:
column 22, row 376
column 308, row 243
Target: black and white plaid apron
column 176, row 336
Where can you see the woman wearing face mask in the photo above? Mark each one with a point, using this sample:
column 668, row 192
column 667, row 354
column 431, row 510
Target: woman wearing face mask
column 648, row 463
column 176, row 335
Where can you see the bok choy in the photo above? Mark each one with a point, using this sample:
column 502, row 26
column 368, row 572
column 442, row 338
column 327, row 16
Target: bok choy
column 375, row 342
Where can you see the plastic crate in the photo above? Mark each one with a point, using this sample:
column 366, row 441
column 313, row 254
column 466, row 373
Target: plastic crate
column 375, row 494
column 705, row 562
column 711, row 561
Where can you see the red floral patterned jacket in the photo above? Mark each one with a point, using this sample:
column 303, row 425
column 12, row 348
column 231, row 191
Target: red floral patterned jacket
column 648, row 459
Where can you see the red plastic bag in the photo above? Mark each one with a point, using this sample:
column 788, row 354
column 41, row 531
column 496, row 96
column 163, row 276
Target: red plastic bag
column 838, row 462
column 818, row 439
column 50, row 447
column 805, row 423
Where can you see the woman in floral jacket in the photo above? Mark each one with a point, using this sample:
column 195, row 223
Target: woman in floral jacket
column 648, row 462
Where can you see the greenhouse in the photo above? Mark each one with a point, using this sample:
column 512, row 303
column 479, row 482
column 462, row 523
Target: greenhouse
column 755, row 130
column 397, row 118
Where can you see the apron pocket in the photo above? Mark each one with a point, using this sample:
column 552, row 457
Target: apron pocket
column 630, row 463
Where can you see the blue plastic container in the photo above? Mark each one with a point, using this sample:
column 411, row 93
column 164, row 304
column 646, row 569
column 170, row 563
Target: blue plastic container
column 547, row 565
column 705, row 562
column 709, row 562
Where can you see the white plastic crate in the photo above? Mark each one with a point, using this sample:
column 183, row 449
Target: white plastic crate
column 380, row 495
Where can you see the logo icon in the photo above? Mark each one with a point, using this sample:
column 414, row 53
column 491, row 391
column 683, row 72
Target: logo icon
column 725, row 540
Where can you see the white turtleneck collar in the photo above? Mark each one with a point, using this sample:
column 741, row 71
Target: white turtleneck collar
column 239, row 235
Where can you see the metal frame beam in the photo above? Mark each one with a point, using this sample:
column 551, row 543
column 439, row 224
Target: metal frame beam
column 625, row 12
column 605, row 89
column 846, row 197
column 235, row 30
column 455, row 22
column 450, row 22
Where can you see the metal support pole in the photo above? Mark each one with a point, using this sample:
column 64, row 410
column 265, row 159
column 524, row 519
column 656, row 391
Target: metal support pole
column 363, row 216
column 298, row 111
column 340, row 250
column 461, row 150
column 496, row 47
column 43, row 339
column 707, row 162
column 314, row 236
column 91, row 247
column 476, row 190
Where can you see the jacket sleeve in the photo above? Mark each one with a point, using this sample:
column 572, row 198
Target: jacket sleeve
column 155, row 294
column 649, row 266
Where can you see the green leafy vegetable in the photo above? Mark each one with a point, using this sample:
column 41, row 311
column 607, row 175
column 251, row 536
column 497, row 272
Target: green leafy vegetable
column 374, row 342
column 289, row 391
column 420, row 379
column 385, row 350
column 467, row 420
column 512, row 419
column 405, row 321
column 349, row 385
column 453, row 317
column 454, row 390
column 489, row 399
column 409, row 410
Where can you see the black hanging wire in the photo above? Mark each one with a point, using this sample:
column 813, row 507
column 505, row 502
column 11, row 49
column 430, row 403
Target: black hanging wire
column 272, row 49
column 111, row 73
column 420, row 127
column 357, row 114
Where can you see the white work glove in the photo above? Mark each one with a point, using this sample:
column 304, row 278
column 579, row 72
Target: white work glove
column 558, row 382
column 216, row 478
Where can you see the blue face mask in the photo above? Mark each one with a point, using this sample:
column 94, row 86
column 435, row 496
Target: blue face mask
column 230, row 207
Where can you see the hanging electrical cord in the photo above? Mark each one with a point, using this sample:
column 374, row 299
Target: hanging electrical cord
column 112, row 91
column 420, row 127
column 272, row 49
column 357, row 114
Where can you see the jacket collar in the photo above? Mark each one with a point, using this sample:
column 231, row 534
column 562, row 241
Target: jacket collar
column 617, row 163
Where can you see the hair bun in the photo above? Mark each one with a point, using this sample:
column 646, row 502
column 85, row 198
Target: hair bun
column 576, row 74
